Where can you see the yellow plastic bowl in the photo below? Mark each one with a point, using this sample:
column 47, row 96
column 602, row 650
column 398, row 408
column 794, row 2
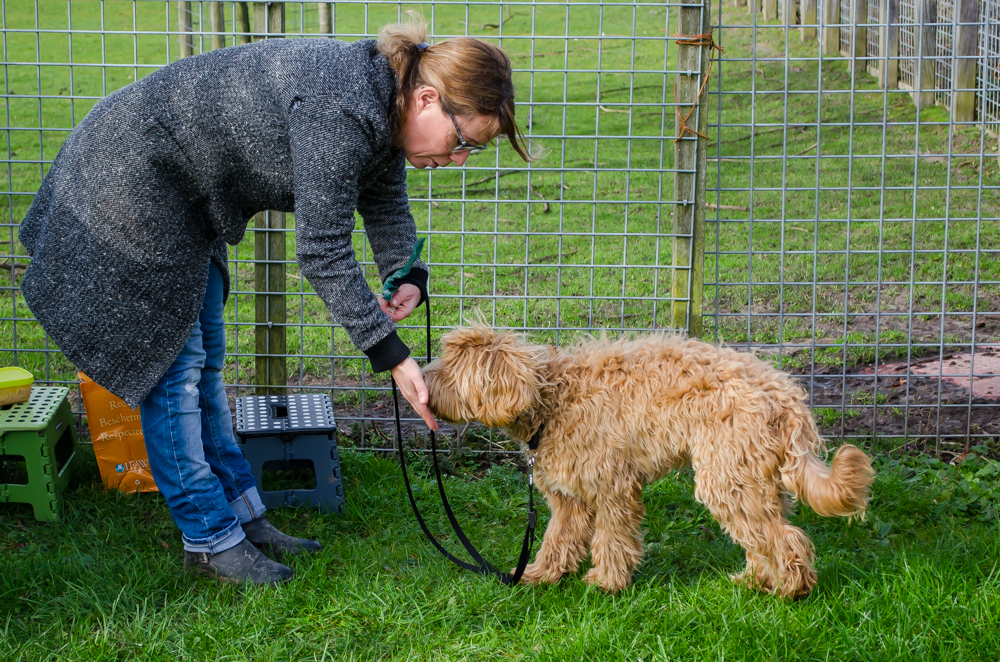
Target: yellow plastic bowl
column 15, row 385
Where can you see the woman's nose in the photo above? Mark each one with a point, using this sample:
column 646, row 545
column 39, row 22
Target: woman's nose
column 460, row 157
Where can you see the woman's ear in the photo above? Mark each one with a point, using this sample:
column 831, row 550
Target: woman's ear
column 424, row 97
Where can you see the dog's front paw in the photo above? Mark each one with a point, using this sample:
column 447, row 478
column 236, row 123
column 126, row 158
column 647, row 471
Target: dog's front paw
column 754, row 579
column 609, row 581
column 536, row 573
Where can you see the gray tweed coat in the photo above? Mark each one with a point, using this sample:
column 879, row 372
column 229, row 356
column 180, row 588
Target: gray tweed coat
column 160, row 175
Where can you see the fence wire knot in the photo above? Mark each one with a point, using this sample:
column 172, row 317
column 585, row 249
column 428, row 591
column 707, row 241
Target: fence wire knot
column 695, row 40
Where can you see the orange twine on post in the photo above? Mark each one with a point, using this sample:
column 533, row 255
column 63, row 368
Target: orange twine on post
column 695, row 40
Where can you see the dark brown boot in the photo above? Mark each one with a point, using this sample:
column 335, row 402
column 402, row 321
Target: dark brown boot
column 265, row 537
column 243, row 563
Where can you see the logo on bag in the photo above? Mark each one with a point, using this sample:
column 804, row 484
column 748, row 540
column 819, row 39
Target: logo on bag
column 119, row 468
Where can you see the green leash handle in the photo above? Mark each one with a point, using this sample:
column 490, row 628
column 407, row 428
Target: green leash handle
column 390, row 287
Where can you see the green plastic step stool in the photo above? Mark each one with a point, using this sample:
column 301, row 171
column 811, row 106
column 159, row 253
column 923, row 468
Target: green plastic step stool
column 40, row 433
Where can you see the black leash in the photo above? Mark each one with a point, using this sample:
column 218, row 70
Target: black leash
column 480, row 566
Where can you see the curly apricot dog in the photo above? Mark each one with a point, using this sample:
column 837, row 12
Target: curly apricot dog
column 610, row 417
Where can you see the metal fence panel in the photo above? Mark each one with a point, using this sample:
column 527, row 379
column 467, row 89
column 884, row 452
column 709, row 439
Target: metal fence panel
column 908, row 43
column 852, row 242
column 582, row 240
column 849, row 241
column 988, row 75
column 943, row 45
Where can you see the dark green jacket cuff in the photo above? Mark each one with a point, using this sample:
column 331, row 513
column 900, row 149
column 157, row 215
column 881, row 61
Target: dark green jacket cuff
column 418, row 277
column 387, row 353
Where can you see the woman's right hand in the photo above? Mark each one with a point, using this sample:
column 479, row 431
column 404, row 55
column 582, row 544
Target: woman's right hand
column 411, row 383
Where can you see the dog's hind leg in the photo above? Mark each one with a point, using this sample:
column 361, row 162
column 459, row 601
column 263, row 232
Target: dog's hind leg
column 616, row 548
column 779, row 555
column 567, row 535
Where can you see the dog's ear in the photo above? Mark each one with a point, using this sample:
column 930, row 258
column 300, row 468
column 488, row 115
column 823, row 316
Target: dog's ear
column 485, row 376
column 510, row 381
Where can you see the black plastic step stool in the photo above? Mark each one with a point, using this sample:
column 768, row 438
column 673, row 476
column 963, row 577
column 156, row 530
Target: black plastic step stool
column 292, row 431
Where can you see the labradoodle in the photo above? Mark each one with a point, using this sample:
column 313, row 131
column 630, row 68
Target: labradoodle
column 610, row 417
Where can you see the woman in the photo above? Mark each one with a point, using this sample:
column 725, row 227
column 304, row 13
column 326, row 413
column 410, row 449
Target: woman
column 128, row 236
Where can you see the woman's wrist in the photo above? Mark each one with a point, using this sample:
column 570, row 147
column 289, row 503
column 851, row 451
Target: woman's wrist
column 387, row 353
column 418, row 277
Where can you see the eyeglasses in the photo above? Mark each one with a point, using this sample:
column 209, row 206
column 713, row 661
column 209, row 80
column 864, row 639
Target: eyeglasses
column 462, row 145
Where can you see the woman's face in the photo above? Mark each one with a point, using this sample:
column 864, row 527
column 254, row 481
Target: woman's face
column 429, row 135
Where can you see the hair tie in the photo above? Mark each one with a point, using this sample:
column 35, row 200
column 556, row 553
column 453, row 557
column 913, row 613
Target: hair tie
column 423, row 46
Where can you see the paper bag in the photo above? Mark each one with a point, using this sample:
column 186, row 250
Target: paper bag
column 118, row 443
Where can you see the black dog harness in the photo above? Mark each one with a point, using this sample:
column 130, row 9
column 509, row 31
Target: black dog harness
column 480, row 565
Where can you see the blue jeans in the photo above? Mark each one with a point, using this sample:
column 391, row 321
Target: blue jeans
column 188, row 429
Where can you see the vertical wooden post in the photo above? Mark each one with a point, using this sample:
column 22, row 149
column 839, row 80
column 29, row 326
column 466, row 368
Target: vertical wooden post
column 965, row 46
column 690, row 160
column 184, row 27
column 859, row 35
column 925, row 33
column 770, row 10
column 808, row 20
column 269, row 257
column 753, row 7
column 831, row 27
column 325, row 18
column 268, row 20
column 218, row 25
column 243, row 22
column 888, row 43
column 788, row 12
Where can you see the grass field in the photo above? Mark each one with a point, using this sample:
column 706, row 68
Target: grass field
column 838, row 261
column 917, row 581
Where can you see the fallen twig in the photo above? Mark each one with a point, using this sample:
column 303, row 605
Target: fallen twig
column 545, row 205
column 613, row 110
column 755, row 133
column 729, row 207
column 808, row 149
column 477, row 182
column 7, row 266
column 547, row 258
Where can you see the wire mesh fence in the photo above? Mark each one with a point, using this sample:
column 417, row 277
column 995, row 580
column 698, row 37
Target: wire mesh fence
column 847, row 240
column 943, row 51
column 583, row 239
column 866, row 236
column 988, row 75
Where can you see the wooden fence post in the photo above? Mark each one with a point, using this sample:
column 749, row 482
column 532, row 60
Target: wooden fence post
column 925, row 32
column 690, row 160
column 859, row 36
column 808, row 20
column 963, row 71
column 269, row 257
column 888, row 43
column 325, row 18
column 242, row 22
column 184, row 27
column 770, row 10
column 788, row 12
column 831, row 27
column 218, row 25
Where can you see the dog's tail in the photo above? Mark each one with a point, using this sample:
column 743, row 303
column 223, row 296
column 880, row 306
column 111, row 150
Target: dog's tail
column 842, row 489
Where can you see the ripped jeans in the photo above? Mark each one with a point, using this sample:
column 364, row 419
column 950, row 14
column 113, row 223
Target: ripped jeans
column 189, row 438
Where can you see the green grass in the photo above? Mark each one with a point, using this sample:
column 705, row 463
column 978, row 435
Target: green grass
column 918, row 580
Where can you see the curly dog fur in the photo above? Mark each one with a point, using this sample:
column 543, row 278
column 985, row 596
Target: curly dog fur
column 614, row 416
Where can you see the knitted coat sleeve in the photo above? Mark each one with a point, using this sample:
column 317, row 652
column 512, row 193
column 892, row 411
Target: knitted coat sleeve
column 332, row 146
column 385, row 207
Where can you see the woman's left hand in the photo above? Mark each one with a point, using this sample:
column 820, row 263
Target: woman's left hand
column 404, row 301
